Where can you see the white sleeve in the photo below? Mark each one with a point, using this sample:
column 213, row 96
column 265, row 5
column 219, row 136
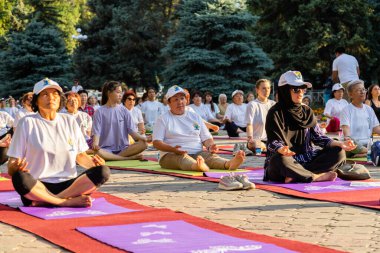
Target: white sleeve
column 139, row 115
column 89, row 122
column 345, row 116
column 328, row 108
column 204, row 132
column 228, row 113
column 249, row 113
column 216, row 107
column 159, row 130
column 373, row 118
column 335, row 67
column 81, row 141
column 17, row 149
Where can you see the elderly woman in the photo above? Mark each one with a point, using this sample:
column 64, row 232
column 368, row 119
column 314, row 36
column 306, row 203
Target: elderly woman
column 129, row 101
column 235, row 115
column 373, row 99
column 26, row 102
column 292, row 128
column 83, row 119
column 44, row 151
column 334, row 107
column 112, row 125
column 358, row 120
column 180, row 136
column 256, row 115
column 222, row 105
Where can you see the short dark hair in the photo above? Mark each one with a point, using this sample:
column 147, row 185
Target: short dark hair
column 62, row 102
column 108, row 86
column 127, row 94
column 340, row 50
column 196, row 93
column 83, row 91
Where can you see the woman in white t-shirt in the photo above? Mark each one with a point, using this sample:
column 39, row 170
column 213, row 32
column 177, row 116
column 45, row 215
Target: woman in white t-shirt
column 129, row 101
column 26, row 102
column 202, row 110
column 358, row 120
column 214, row 109
column 83, row 119
column 235, row 115
column 180, row 135
column 45, row 150
column 256, row 116
column 334, row 107
column 93, row 102
column 151, row 109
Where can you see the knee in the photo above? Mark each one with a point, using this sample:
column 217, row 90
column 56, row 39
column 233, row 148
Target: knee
column 277, row 159
column 341, row 154
column 23, row 182
column 99, row 174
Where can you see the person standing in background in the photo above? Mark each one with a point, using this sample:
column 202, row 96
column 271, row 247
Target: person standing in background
column 76, row 87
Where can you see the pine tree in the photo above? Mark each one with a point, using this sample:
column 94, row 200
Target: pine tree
column 302, row 35
column 212, row 48
column 34, row 54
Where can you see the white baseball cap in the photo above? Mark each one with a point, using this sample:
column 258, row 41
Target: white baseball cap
column 236, row 92
column 45, row 84
column 293, row 78
column 175, row 89
column 337, row 86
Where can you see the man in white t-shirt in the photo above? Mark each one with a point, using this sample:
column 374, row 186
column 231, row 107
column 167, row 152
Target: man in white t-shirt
column 234, row 118
column 76, row 87
column 358, row 120
column 180, row 136
column 345, row 67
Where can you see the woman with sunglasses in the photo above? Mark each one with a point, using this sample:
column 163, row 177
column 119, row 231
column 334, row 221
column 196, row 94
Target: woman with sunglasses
column 291, row 130
column 358, row 120
column 129, row 101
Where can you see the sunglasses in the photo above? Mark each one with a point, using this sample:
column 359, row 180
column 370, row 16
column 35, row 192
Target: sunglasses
column 131, row 99
column 298, row 90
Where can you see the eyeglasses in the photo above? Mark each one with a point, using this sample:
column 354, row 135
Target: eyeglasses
column 131, row 99
column 361, row 90
column 298, row 90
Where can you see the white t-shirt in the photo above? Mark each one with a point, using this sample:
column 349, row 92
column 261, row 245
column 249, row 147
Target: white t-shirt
column 6, row 122
column 186, row 130
column 216, row 110
column 76, row 88
column 137, row 117
column 346, row 65
column 236, row 113
column 257, row 115
column 49, row 146
column 21, row 114
column 151, row 110
column 12, row 111
column 203, row 111
column 334, row 107
column 84, row 121
column 361, row 122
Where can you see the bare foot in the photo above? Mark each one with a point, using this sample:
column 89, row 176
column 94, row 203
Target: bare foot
column 200, row 165
column 235, row 162
column 134, row 157
column 40, row 203
column 80, row 201
column 288, row 180
column 328, row 176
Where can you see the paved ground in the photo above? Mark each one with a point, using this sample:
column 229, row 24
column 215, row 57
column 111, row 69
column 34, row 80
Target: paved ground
column 332, row 225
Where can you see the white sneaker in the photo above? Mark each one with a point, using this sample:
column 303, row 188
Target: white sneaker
column 236, row 149
column 243, row 179
column 248, row 152
column 229, row 183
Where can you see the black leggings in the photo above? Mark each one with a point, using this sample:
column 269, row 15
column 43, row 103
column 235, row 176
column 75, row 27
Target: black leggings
column 280, row 167
column 232, row 129
column 23, row 182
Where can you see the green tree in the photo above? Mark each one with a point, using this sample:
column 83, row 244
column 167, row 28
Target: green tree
column 212, row 48
column 302, row 35
column 34, row 54
column 124, row 42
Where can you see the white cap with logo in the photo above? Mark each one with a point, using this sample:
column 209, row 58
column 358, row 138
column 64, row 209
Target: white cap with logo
column 45, row 84
column 175, row 89
column 293, row 78
column 337, row 86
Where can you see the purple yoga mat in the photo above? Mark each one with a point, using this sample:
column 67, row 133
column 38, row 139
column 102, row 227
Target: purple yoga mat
column 338, row 185
column 10, row 198
column 173, row 236
column 99, row 207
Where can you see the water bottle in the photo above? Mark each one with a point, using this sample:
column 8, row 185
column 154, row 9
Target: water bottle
column 369, row 147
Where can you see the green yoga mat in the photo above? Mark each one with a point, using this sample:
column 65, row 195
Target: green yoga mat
column 359, row 159
column 3, row 179
column 154, row 166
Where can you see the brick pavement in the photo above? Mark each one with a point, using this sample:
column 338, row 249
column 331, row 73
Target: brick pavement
column 337, row 226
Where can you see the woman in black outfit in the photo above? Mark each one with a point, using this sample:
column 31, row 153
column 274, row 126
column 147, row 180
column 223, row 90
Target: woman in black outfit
column 373, row 99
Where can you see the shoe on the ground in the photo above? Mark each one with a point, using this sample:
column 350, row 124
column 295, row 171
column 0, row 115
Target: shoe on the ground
column 236, row 149
column 229, row 183
column 243, row 179
column 248, row 152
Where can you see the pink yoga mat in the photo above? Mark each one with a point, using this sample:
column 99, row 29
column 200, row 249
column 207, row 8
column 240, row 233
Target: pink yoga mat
column 99, row 207
column 174, row 237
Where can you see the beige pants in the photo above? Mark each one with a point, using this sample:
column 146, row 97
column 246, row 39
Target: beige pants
column 185, row 162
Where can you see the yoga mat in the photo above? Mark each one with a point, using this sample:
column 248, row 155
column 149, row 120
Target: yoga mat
column 130, row 163
column 226, row 137
column 3, row 179
column 10, row 198
column 99, row 207
column 174, row 237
